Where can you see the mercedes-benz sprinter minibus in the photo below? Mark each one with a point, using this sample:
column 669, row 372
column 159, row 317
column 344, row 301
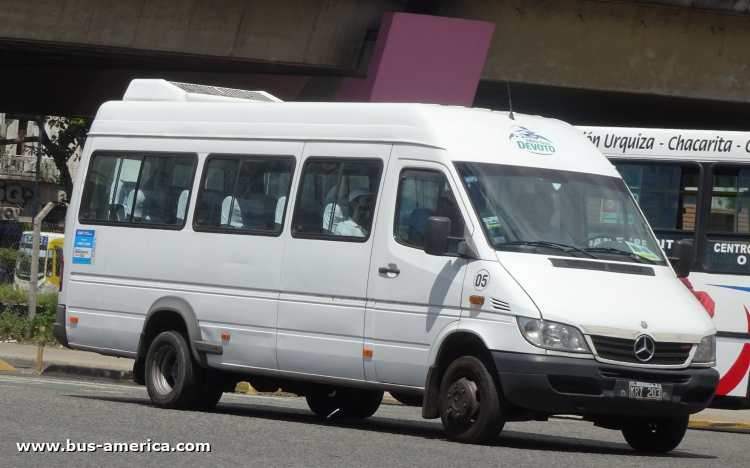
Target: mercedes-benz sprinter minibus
column 495, row 266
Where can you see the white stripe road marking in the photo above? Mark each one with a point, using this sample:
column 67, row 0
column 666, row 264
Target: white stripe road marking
column 42, row 381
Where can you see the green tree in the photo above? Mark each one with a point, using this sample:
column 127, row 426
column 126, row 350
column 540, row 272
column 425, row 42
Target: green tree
column 68, row 134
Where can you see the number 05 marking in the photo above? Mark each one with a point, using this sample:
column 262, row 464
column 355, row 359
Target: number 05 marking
column 481, row 280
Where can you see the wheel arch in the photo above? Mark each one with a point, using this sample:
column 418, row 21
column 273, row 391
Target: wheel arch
column 170, row 313
column 452, row 343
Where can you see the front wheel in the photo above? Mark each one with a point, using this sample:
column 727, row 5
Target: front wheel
column 471, row 408
column 656, row 435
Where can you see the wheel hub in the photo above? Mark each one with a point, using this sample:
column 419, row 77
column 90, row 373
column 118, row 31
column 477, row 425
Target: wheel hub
column 463, row 403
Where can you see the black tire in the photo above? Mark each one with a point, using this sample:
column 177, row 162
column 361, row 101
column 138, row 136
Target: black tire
column 471, row 408
column 408, row 400
column 368, row 404
column 342, row 402
column 210, row 392
column 656, row 435
column 171, row 372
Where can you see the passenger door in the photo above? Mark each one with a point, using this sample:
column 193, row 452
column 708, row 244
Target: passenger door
column 327, row 260
column 413, row 296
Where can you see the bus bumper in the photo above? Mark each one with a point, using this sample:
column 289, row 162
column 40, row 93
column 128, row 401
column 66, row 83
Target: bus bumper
column 562, row 385
column 58, row 328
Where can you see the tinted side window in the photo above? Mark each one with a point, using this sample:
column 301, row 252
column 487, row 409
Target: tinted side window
column 337, row 198
column 422, row 194
column 729, row 201
column 727, row 248
column 139, row 189
column 163, row 190
column 244, row 194
column 667, row 194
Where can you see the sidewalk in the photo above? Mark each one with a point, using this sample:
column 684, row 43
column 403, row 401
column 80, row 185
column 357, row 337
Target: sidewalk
column 66, row 361
column 87, row 364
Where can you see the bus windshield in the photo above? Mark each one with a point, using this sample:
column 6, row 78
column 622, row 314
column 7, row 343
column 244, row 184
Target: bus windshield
column 539, row 210
column 23, row 264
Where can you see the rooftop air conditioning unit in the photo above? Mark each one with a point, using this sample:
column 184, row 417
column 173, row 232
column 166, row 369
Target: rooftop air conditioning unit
column 10, row 213
column 162, row 90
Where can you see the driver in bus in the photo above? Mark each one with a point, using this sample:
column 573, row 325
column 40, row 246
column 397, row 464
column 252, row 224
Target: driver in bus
column 360, row 212
column 538, row 209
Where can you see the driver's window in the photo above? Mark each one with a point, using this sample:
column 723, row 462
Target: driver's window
column 422, row 194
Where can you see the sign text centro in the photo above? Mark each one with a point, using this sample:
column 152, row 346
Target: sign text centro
column 530, row 141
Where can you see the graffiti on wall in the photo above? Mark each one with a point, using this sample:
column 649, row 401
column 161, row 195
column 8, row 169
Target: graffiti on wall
column 15, row 194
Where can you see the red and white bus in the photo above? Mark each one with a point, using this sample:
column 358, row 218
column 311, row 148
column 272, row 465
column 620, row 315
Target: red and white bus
column 695, row 184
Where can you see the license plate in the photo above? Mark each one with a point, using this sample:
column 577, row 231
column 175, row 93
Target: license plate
column 644, row 391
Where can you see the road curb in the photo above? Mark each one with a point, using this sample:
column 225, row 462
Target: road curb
column 55, row 369
column 93, row 372
column 721, row 426
column 5, row 367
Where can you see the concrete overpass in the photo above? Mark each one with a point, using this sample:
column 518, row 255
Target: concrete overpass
column 665, row 62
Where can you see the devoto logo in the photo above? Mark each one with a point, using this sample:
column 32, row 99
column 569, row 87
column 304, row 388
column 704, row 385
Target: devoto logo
column 533, row 143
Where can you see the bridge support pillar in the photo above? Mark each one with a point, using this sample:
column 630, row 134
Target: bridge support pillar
column 427, row 59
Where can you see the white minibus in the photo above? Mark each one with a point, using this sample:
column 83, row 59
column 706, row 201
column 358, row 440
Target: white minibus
column 340, row 250
column 695, row 185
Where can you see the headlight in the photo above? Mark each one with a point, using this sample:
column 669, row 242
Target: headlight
column 553, row 335
column 706, row 351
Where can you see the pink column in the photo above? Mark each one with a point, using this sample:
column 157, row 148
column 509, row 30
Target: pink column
column 427, row 59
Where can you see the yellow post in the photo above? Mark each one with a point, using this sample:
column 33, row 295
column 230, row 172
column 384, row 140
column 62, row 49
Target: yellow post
column 40, row 350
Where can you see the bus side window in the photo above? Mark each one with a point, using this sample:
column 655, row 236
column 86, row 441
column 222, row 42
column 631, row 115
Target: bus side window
column 134, row 188
column 51, row 256
column 668, row 196
column 244, row 194
column 58, row 260
column 727, row 246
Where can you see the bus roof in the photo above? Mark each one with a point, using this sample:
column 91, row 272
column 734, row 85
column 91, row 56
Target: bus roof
column 477, row 135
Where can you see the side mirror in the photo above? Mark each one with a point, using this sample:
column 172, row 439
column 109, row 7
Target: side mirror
column 436, row 233
column 682, row 258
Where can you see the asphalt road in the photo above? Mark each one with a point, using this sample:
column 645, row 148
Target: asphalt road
column 265, row 431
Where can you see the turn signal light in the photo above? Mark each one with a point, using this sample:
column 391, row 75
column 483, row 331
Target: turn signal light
column 225, row 336
column 367, row 352
column 73, row 319
column 479, row 300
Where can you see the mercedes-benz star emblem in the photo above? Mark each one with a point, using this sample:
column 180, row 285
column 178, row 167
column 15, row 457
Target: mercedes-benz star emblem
column 644, row 348
column 644, row 325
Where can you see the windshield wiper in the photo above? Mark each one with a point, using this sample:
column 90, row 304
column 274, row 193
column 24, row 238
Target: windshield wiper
column 568, row 249
column 612, row 250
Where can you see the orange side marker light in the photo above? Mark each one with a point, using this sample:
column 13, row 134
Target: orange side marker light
column 479, row 300
column 225, row 336
column 73, row 319
column 367, row 352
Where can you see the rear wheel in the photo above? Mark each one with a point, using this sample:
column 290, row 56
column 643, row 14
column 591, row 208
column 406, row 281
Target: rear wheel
column 171, row 377
column 368, row 404
column 471, row 409
column 344, row 402
column 210, row 392
column 656, row 435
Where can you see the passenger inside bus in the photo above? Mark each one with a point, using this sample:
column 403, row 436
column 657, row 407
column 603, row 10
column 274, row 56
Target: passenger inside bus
column 334, row 210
